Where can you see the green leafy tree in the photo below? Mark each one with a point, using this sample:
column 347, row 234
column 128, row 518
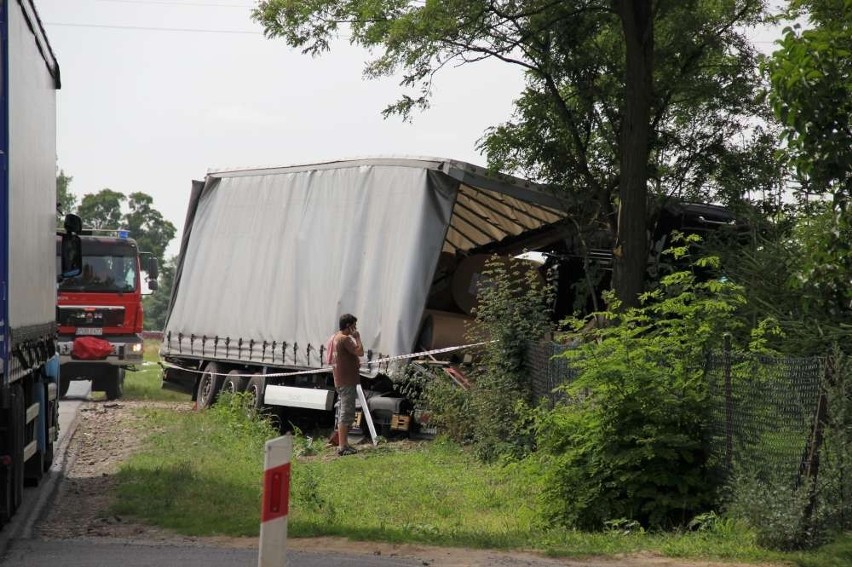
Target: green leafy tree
column 147, row 226
column 811, row 93
column 156, row 305
column 102, row 210
column 623, row 97
column 797, row 270
column 66, row 201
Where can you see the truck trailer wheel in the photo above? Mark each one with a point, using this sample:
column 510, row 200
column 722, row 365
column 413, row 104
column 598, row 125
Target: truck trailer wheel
column 34, row 467
column 64, row 384
column 234, row 383
column 255, row 387
column 209, row 385
column 114, row 385
column 12, row 475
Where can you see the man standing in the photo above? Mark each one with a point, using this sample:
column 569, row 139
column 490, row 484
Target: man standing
column 346, row 350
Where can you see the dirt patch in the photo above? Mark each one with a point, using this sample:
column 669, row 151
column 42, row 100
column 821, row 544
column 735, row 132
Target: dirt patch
column 109, row 432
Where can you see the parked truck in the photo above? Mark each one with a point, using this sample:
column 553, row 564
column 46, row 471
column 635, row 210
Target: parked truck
column 270, row 258
column 29, row 361
column 100, row 313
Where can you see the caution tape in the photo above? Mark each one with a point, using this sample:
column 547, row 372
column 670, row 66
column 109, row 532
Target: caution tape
column 326, row 369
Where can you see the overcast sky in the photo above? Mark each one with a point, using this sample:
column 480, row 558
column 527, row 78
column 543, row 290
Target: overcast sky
column 148, row 104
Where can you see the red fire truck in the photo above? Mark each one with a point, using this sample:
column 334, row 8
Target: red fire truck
column 99, row 313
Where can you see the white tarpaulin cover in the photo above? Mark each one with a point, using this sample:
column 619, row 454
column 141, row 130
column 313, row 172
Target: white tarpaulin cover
column 277, row 255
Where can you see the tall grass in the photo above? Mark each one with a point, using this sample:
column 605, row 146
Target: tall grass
column 145, row 383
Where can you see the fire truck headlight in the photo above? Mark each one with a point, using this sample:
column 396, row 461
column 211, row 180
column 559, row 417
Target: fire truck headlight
column 136, row 347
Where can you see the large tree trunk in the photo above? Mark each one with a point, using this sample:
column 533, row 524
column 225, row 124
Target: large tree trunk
column 631, row 249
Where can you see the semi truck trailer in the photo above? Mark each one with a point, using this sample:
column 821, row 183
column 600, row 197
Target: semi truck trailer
column 29, row 361
column 271, row 257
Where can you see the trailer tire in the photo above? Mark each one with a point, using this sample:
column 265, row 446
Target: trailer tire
column 35, row 468
column 64, row 384
column 255, row 388
column 18, row 409
column 6, row 512
column 234, row 383
column 12, row 476
column 114, row 385
column 47, row 461
column 209, row 385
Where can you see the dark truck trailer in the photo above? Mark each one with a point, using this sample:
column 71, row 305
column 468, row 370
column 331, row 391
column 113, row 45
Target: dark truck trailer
column 29, row 363
column 270, row 258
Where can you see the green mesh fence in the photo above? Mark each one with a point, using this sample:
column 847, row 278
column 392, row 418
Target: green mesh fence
column 763, row 416
column 547, row 372
column 763, row 411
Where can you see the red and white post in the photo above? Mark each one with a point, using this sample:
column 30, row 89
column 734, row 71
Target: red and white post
column 276, row 502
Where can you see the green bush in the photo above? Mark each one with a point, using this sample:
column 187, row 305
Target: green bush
column 630, row 443
column 512, row 310
column 774, row 509
column 449, row 406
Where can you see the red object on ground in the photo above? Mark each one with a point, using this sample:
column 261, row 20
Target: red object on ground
column 91, row 348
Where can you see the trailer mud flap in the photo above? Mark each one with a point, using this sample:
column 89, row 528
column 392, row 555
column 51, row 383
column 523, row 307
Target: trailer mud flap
column 308, row 398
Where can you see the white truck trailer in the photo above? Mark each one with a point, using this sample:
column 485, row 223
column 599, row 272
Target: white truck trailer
column 29, row 362
column 270, row 258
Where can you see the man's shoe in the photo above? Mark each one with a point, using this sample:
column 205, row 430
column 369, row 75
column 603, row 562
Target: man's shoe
column 346, row 451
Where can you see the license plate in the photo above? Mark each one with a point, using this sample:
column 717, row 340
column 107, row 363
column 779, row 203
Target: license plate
column 90, row 331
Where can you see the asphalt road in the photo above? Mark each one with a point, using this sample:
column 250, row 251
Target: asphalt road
column 19, row 548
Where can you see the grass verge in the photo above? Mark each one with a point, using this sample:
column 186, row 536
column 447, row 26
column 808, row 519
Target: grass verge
column 145, row 383
column 200, row 475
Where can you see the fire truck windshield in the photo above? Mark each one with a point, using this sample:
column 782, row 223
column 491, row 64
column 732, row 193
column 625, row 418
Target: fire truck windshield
column 104, row 274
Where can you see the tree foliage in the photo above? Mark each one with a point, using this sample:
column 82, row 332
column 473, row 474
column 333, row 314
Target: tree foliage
column 156, row 305
column 794, row 272
column 146, row 225
column 102, row 210
column 66, row 201
column 622, row 96
column 811, row 79
column 797, row 269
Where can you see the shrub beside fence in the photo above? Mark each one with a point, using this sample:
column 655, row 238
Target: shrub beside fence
column 777, row 419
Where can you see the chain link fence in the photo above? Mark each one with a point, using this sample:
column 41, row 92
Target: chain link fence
column 777, row 417
column 548, row 371
column 763, row 411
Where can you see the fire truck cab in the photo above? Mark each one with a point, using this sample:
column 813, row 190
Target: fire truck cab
column 99, row 313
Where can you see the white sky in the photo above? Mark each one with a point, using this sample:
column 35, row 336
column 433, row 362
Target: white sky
column 149, row 110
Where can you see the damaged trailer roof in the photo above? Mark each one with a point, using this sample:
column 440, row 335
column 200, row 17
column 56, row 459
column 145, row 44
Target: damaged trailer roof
column 275, row 255
column 489, row 206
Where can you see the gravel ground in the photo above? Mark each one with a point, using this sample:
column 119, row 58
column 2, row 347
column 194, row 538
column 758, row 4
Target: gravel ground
column 109, row 432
